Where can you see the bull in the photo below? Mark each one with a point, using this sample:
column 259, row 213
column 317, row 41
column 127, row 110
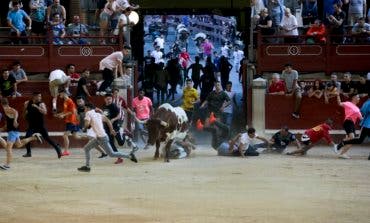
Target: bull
column 166, row 125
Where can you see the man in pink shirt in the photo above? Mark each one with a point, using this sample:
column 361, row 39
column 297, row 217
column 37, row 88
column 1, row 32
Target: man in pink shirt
column 142, row 108
column 352, row 115
column 207, row 48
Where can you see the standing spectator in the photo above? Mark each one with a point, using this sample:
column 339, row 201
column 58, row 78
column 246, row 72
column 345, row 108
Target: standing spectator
column 174, row 76
column 189, row 99
column 225, row 50
column 158, row 55
column 78, row 31
column 105, row 16
column 289, row 26
column 143, row 108
column 227, row 114
column 58, row 29
column 57, row 78
column 161, row 79
column 195, row 68
column 82, row 90
column 8, row 84
column 309, row 11
column 238, row 56
column 159, row 41
column 56, row 8
column 149, row 73
column 225, row 68
column 256, row 7
column 361, row 31
column 124, row 26
column 207, row 80
column 276, row 11
column 356, row 10
column 216, row 101
column 316, row 33
column 336, row 21
column 110, row 65
column 290, row 77
column 184, row 59
column 207, row 47
column 71, row 72
column 277, row 86
column 18, row 73
column 34, row 112
column 69, row 114
column 363, row 87
column 347, row 86
column 15, row 19
column 38, row 16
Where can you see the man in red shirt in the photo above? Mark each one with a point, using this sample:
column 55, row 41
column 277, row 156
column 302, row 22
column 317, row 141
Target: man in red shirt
column 277, row 86
column 313, row 135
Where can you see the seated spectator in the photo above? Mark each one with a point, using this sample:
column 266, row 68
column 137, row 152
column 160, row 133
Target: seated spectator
column 56, row 8
column 363, row 87
column 316, row 33
column 265, row 25
column 334, row 77
column 289, row 26
column 280, row 140
column 361, row 31
column 58, row 29
column 277, row 86
column 18, row 73
column 316, row 90
column 15, row 19
column 71, row 72
column 290, row 77
column 331, row 91
column 337, row 23
column 347, row 87
column 309, row 11
column 78, row 31
column 8, row 84
column 38, row 17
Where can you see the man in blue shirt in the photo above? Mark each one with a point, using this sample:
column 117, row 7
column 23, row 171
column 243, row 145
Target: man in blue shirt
column 365, row 131
column 16, row 21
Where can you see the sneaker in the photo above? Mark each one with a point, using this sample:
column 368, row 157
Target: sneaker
column 84, row 169
column 4, row 167
column 344, row 156
column 339, row 146
column 118, row 161
column 66, row 153
column 212, row 118
column 295, row 115
column 38, row 137
column 133, row 158
column 102, row 155
column 27, row 155
column 199, row 125
column 334, row 148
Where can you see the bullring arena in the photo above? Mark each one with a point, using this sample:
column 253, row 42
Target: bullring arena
column 202, row 188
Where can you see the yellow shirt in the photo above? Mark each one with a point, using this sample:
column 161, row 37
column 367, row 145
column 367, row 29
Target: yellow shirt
column 189, row 96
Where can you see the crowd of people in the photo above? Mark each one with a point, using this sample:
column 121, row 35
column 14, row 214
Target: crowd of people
column 345, row 21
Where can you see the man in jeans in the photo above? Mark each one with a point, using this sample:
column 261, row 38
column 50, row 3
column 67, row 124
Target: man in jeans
column 142, row 109
column 290, row 77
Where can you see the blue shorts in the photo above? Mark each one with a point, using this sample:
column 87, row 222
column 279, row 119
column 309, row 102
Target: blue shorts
column 72, row 128
column 13, row 136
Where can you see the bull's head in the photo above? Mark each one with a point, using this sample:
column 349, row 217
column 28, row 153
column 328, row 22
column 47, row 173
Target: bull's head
column 155, row 127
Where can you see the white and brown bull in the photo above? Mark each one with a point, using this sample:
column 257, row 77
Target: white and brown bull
column 166, row 125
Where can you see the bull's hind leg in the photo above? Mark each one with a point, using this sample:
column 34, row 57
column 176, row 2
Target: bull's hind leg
column 157, row 145
column 167, row 151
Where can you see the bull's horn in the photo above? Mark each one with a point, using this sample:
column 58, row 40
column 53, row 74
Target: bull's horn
column 163, row 123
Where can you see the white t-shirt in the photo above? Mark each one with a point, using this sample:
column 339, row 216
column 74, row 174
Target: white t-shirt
column 96, row 122
column 123, row 18
column 111, row 61
column 289, row 23
column 238, row 56
column 158, row 56
column 247, row 141
column 159, row 42
column 122, row 4
column 225, row 51
column 58, row 75
column 230, row 107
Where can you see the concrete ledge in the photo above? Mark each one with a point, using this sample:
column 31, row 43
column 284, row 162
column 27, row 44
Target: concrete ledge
column 295, row 131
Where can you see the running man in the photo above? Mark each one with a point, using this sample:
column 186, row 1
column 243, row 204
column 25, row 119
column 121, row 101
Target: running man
column 95, row 121
column 365, row 131
column 34, row 111
column 313, row 135
column 11, row 127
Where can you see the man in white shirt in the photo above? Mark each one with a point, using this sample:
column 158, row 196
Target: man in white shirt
column 289, row 26
column 95, row 121
column 238, row 56
column 248, row 144
column 110, row 65
column 57, row 78
column 157, row 54
column 159, row 41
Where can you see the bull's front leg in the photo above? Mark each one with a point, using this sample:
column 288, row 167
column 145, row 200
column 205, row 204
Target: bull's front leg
column 167, row 151
column 157, row 145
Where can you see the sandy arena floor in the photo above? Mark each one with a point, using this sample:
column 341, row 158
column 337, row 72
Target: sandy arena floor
column 204, row 188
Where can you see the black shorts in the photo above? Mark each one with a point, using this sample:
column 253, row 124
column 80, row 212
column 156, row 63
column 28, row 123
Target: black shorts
column 38, row 27
column 349, row 127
